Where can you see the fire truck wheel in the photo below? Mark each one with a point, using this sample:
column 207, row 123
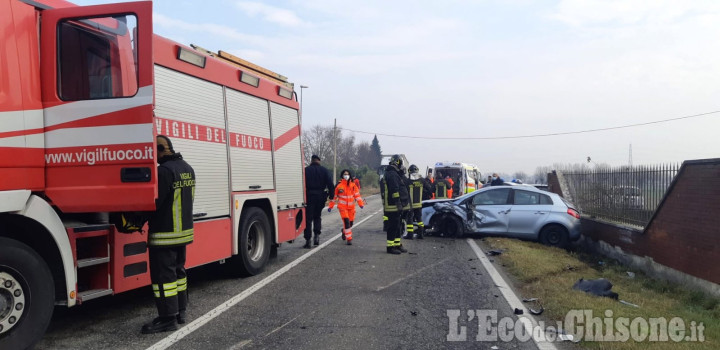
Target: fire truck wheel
column 255, row 242
column 27, row 295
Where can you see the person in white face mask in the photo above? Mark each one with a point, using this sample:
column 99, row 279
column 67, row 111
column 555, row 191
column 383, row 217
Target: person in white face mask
column 497, row 180
column 346, row 194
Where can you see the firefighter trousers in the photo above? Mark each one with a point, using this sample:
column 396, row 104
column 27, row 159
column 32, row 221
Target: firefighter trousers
column 412, row 218
column 348, row 218
column 394, row 228
column 169, row 280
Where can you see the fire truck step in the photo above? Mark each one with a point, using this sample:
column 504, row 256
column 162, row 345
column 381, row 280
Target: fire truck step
column 92, row 294
column 92, row 261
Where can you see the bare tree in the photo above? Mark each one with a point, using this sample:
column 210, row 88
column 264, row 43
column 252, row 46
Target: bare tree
column 318, row 140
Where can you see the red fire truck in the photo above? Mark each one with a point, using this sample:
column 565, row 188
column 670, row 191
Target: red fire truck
column 83, row 93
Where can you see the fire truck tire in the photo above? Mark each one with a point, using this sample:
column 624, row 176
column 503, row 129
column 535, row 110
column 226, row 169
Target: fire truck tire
column 27, row 295
column 255, row 242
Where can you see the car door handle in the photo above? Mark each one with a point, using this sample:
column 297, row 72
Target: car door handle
column 504, row 211
column 540, row 212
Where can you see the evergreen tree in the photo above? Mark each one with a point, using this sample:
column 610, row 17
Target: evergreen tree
column 376, row 153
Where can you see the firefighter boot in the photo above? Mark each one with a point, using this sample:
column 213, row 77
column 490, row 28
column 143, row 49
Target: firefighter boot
column 160, row 324
column 181, row 317
column 421, row 232
column 307, row 244
column 401, row 249
column 316, row 241
column 392, row 250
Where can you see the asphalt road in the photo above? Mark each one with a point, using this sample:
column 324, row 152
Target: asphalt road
column 340, row 297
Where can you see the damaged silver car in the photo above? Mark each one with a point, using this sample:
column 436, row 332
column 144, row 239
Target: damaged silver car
column 513, row 211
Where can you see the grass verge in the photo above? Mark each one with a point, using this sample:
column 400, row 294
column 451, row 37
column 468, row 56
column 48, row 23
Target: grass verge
column 549, row 273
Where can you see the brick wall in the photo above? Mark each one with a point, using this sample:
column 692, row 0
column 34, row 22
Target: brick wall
column 684, row 233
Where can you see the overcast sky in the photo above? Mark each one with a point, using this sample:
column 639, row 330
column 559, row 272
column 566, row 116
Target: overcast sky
column 485, row 68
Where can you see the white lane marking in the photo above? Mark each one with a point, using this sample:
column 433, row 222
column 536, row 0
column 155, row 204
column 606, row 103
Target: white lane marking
column 510, row 296
column 283, row 326
column 219, row 310
column 412, row 274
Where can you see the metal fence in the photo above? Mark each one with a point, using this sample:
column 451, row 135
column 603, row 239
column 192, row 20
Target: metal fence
column 628, row 194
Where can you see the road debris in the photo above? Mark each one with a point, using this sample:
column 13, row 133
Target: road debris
column 536, row 310
column 562, row 335
column 494, row 252
column 628, row 303
column 414, row 313
column 599, row 287
column 631, row 274
column 518, row 311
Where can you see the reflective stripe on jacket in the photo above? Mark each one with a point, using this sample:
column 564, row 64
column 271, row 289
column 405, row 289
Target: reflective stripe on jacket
column 172, row 222
column 416, row 193
column 346, row 193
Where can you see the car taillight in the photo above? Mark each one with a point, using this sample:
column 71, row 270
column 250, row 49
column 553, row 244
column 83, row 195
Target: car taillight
column 573, row 213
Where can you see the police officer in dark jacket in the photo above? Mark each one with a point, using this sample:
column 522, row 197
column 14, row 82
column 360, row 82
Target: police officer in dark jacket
column 395, row 198
column 170, row 231
column 318, row 187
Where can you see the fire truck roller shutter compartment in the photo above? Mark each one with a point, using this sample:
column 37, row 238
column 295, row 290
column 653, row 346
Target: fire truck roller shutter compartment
column 191, row 112
column 288, row 157
column 250, row 146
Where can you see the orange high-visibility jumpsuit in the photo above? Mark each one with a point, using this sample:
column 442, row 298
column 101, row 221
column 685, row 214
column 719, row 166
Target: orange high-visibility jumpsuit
column 346, row 193
column 450, row 190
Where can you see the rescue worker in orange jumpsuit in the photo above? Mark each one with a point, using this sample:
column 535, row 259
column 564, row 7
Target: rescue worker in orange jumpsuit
column 450, row 189
column 346, row 193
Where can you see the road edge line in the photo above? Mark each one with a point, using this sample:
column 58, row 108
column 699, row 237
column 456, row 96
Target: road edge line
column 512, row 299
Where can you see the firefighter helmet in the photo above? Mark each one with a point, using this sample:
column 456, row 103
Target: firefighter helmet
column 413, row 169
column 396, row 161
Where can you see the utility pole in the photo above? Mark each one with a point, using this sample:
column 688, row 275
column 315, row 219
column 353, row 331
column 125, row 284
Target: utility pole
column 630, row 159
column 335, row 151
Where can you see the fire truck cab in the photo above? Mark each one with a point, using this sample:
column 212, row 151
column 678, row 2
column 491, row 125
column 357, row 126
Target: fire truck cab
column 82, row 98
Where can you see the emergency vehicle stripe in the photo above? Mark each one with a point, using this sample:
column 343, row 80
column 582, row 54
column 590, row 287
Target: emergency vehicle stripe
column 286, row 137
column 84, row 109
column 21, row 122
column 100, row 135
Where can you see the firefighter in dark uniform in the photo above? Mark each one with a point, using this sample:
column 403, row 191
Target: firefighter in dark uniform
column 395, row 198
column 319, row 187
column 441, row 187
column 420, row 189
column 170, row 230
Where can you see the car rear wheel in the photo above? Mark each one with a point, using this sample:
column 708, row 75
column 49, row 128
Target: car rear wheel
column 554, row 235
column 451, row 226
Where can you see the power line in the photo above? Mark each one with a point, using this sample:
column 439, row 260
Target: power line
column 534, row 135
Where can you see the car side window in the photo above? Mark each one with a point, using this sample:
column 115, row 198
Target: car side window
column 544, row 199
column 526, row 198
column 492, row 197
